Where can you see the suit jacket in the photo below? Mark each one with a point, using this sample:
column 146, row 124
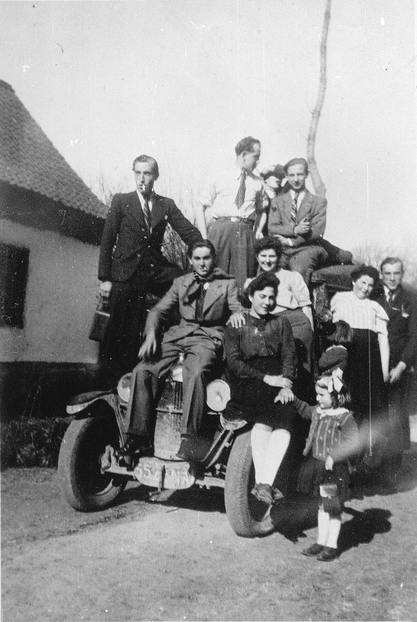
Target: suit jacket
column 125, row 242
column 220, row 301
column 312, row 207
column 402, row 327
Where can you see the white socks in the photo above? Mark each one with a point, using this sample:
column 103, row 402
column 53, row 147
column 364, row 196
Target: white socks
column 329, row 529
column 268, row 450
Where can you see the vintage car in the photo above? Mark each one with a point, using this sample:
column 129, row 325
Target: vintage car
column 93, row 471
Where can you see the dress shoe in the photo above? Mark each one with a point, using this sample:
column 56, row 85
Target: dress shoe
column 264, row 493
column 134, row 448
column 328, row 554
column 313, row 550
column 193, row 448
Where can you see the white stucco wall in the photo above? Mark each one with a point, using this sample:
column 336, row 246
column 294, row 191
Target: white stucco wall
column 60, row 298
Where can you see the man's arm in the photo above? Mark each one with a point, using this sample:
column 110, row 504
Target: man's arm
column 232, row 297
column 278, row 224
column 288, row 352
column 108, row 239
column 156, row 315
column 384, row 353
column 162, row 310
column 238, row 317
column 409, row 354
column 318, row 221
column 187, row 232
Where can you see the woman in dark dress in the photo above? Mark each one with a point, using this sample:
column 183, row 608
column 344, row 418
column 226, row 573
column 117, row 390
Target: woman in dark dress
column 368, row 360
column 261, row 358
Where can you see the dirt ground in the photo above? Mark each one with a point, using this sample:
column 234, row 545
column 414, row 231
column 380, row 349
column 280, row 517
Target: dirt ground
column 178, row 559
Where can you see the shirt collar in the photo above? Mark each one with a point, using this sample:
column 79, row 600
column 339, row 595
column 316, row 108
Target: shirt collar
column 331, row 412
column 254, row 174
column 301, row 193
column 394, row 292
column 141, row 200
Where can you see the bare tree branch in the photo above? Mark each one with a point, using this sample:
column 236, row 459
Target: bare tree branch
column 318, row 184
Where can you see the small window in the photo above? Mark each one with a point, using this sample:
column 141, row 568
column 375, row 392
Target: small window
column 14, row 264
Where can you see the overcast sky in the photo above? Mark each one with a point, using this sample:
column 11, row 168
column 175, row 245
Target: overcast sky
column 184, row 80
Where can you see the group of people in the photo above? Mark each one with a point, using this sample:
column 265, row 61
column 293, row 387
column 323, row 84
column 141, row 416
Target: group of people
column 247, row 296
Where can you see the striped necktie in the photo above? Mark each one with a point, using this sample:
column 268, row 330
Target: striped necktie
column 147, row 214
column 240, row 197
column 294, row 208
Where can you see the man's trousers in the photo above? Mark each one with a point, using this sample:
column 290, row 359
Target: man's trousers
column 201, row 353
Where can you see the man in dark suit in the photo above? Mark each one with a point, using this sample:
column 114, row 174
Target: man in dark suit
column 131, row 263
column 205, row 299
column 298, row 219
column 401, row 307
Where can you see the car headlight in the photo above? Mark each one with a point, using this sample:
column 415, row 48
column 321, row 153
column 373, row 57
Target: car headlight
column 217, row 395
column 123, row 387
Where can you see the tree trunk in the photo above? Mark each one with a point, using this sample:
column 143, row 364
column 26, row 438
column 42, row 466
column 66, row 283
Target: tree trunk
column 318, row 184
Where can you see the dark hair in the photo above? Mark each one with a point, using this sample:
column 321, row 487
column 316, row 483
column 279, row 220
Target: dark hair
column 392, row 261
column 149, row 160
column 201, row 244
column 341, row 398
column 365, row 271
column 295, row 161
column 342, row 334
column 246, row 144
column 268, row 243
column 266, row 279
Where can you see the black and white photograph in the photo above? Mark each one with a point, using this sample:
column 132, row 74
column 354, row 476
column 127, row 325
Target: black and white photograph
column 208, row 310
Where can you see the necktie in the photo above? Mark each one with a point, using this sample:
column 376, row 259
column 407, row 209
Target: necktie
column 147, row 214
column 294, row 208
column 199, row 296
column 390, row 297
column 240, row 197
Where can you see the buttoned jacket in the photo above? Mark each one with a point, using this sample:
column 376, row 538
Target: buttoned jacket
column 402, row 326
column 332, row 433
column 220, row 301
column 126, row 242
column 312, row 207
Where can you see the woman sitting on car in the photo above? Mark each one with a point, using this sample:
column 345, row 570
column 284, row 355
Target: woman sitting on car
column 261, row 359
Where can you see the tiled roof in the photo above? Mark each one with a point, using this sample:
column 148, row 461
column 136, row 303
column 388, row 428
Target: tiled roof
column 29, row 160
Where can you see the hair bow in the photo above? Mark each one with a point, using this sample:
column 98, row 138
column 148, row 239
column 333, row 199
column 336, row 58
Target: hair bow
column 334, row 382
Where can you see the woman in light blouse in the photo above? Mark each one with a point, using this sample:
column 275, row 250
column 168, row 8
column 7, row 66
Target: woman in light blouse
column 368, row 359
column 293, row 299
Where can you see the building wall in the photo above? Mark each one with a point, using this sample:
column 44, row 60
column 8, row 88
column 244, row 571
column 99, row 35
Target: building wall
column 60, row 298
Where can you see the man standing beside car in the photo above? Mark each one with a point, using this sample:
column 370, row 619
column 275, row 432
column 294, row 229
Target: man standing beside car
column 401, row 307
column 131, row 263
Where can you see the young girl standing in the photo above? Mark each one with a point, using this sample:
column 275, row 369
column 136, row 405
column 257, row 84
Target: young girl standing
column 332, row 440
